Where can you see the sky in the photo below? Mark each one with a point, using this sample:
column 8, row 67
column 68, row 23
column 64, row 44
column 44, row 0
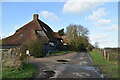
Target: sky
column 100, row 18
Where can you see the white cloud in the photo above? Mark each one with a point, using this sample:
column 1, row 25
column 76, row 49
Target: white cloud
column 97, row 14
column 104, row 40
column 50, row 16
column 98, row 37
column 76, row 6
column 103, row 21
column 112, row 28
column 1, row 34
column 11, row 32
column 58, row 0
column 4, row 35
column 98, row 17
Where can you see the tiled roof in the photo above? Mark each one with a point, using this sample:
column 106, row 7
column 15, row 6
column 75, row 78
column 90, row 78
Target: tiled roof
column 56, row 35
column 27, row 32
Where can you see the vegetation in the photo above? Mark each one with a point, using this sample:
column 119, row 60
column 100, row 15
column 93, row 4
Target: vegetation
column 78, row 37
column 37, row 50
column 0, row 42
column 27, row 71
column 61, row 32
column 110, row 68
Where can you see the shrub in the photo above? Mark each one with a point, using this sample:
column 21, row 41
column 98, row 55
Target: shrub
column 36, row 47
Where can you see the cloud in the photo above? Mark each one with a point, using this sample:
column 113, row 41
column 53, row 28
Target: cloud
column 50, row 16
column 104, row 40
column 4, row 35
column 109, row 43
column 98, row 17
column 58, row 0
column 97, row 14
column 11, row 32
column 101, row 38
column 76, row 6
column 98, row 38
column 112, row 28
column 103, row 22
column 1, row 34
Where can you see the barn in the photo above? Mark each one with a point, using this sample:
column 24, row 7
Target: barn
column 32, row 30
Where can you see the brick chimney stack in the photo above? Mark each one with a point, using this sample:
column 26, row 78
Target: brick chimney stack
column 35, row 17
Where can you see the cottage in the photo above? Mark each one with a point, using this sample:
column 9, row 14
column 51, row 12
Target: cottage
column 32, row 30
column 65, row 40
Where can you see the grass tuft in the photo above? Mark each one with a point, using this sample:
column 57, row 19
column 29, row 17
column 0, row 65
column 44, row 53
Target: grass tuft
column 27, row 71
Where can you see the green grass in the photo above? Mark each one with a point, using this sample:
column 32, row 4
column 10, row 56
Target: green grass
column 26, row 72
column 110, row 68
column 61, row 52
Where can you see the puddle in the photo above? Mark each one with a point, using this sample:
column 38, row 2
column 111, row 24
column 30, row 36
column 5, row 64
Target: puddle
column 103, row 76
column 89, row 68
column 62, row 61
column 48, row 74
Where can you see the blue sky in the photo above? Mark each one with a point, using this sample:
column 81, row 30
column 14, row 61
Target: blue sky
column 101, row 18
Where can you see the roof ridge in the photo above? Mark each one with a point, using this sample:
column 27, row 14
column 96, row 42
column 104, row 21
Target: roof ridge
column 24, row 25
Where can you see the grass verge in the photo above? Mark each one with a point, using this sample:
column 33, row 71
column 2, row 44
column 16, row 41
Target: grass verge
column 110, row 68
column 27, row 71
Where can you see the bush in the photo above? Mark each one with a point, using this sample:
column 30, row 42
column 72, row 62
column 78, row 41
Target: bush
column 36, row 47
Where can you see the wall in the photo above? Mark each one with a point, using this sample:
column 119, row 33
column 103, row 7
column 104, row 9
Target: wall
column 11, row 57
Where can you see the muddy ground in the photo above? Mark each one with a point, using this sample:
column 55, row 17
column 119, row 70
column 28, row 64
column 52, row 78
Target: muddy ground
column 72, row 65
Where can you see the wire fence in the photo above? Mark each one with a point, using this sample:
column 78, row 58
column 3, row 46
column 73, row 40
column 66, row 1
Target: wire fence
column 109, row 53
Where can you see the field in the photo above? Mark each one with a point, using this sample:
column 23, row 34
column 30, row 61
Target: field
column 110, row 68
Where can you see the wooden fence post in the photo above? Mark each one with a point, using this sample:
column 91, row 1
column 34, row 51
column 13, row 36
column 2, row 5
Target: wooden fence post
column 105, row 54
column 108, row 56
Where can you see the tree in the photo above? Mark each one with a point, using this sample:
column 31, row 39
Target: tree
column 78, row 37
column 61, row 32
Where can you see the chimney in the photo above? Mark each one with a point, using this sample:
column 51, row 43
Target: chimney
column 35, row 17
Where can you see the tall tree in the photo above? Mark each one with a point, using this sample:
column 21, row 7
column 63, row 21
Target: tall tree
column 77, row 36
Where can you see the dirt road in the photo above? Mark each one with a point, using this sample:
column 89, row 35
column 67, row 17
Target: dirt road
column 72, row 65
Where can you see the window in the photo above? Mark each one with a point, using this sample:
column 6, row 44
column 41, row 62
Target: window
column 21, row 35
column 41, row 33
column 51, row 44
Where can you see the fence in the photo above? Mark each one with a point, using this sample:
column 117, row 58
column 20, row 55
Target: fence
column 11, row 57
column 109, row 53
